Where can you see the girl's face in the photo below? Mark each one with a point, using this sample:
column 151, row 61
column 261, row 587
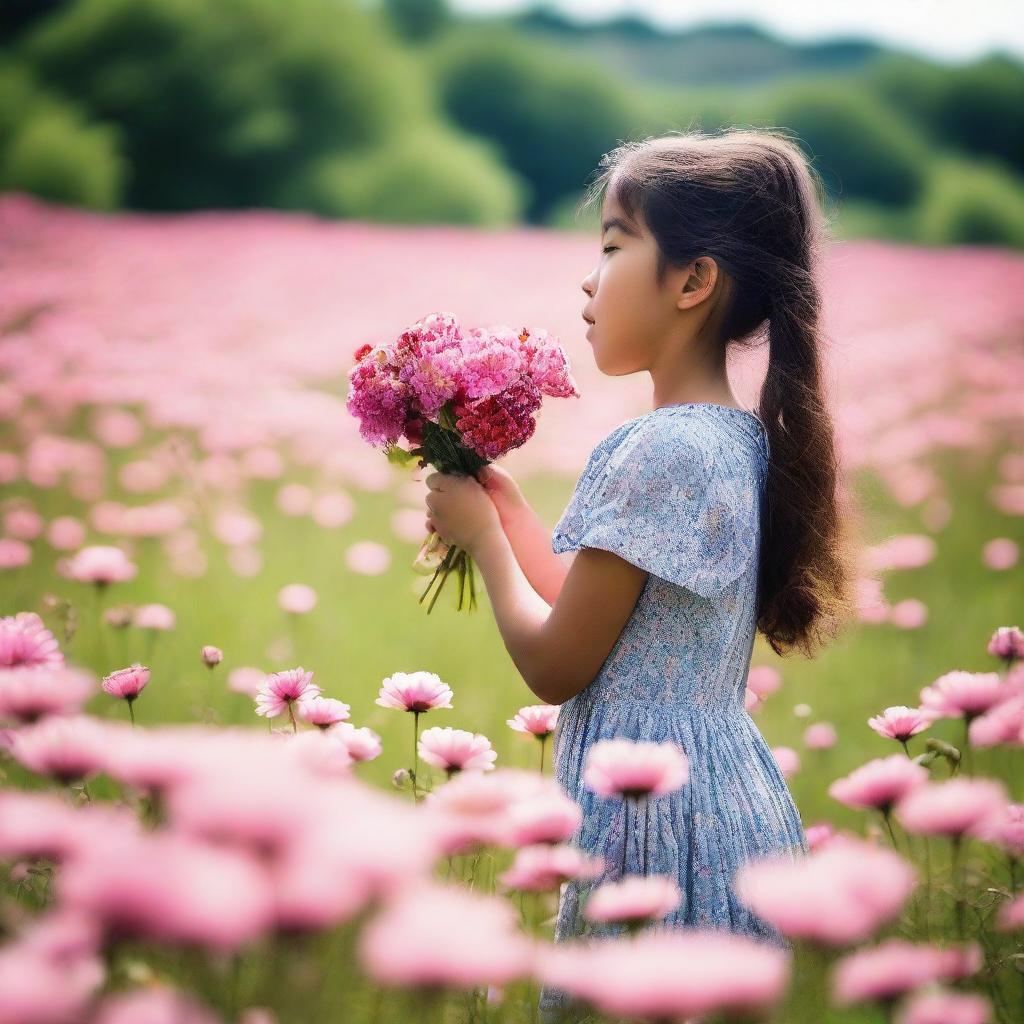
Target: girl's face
column 631, row 315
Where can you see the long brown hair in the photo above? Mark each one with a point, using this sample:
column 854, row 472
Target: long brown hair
column 750, row 200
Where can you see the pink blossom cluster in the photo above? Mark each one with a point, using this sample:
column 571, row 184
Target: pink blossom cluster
column 492, row 381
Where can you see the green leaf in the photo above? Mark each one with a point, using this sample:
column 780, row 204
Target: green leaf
column 399, row 456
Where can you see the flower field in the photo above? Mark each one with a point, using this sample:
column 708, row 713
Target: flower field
column 246, row 778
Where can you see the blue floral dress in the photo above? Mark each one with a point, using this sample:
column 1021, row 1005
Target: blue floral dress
column 678, row 492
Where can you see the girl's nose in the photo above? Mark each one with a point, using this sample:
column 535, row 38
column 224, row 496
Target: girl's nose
column 587, row 286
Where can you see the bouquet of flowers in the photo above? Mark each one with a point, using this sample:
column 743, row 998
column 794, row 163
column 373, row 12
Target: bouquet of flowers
column 461, row 398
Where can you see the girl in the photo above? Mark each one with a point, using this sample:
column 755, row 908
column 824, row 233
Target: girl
column 695, row 524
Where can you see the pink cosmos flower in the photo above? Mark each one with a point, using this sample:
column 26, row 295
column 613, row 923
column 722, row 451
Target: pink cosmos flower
column 281, row 688
column 1002, row 723
column 1000, row 553
column 368, row 557
column 246, row 679
column 126, row 683
column 65, row 533
column 546, row 817
column 362, row 743
column 14, row 553
column 951, row 808
column 25, row 641
column 1007, row 643
column 166, row 887
column 1005, row 829
column 40, row 989
column 838, row 894
column 1011, row 915
column 764, row 680
column 787, row 759
column 414, row 691
column 900, row 722
column 68, row 748
column 963, row 694
column 317, row 753
column 456, row 750
column 669, row 975
column 296, row 598
column 544, row 868
column 818, row 835
column 537, row 719
column 211, row 655
column 28, row 694
column 153, row 1005
column 634, row 899
column 820, row 736
column 153, row 616
column 891, row 968
column 445, row 937
column 937, row 1005
column 879, row 783
column 99, row 564
column 622, row 767
column 323, row 711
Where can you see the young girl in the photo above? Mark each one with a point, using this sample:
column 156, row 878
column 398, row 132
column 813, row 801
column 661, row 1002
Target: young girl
column 696, row 524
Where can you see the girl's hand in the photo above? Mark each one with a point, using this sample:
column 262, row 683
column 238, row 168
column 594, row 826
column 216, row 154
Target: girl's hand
column 460, row 510
column 501, row 487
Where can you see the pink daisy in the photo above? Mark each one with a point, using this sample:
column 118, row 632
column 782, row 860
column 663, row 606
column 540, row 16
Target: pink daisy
column 281, row 688
column 68, row 748
column 634, row 899
column 414, row 691
column 456, row 750
column 900, row 722
column 536, row 719
column 952, row 807
column 963, row 694
column 1008, row 643
column 879, row 783
column 25, row 641
column 621, row 767
column 27, row 694
column 323, row 711
column 99, row 564
column 126, row 683
column 362, row 743
column 544, row 868
column 937, row 1005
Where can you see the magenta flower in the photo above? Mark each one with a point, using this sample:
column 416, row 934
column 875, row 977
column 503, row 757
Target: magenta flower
column 445, row 937
column 26, row 642
column 879, row 783
column 951, row 808
column 68, row 748
column 634, row 899
column 323, row 711
column 621, row 767
column 126, row 683
column 543, row 868
column 99, row 564
column 362, row 743
column 891, row 968
column 936, row 1005
column 28, row 694
column 1007, row 643
column 900, row 723
column 456, row 750
column 963, row 694
column 669, row 975
column 281, row 689
column 838, row 894
column 414, row 691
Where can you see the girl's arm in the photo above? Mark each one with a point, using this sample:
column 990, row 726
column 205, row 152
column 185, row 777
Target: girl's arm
column 558, row 649
column 528, row 537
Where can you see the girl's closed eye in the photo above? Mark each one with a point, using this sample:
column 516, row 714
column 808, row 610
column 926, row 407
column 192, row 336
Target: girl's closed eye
column 609, row 248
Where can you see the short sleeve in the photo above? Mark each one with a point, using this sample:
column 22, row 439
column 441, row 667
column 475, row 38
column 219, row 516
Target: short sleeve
column 670, row 496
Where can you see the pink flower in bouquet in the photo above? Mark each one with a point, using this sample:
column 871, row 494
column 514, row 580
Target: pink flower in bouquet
column 669, row 975
column 621, row 767
column 888, row 970
column 963, row 694
column 414, row 691
column 537, row 719
column 1008, row 643
column 879, row 783
column 900, row 722
column 25, row 641
column 633, row 899
column 126, row 683
column 544, row 868
column 446, row 937
column 936, row 1005
column 362, row 743
column 27, row 694
column 456, row 750
column 323, row 711
column 838, row 894
column 952, row 807
column 68, row 748
column 100, row 564
column 280, row 689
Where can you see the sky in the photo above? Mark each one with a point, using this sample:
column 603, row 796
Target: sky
column 949, row 30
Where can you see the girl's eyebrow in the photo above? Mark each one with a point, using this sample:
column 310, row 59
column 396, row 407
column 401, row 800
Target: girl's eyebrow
column 617, row 222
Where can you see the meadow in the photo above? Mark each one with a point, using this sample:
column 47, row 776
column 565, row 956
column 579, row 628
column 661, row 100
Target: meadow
column 175, row 385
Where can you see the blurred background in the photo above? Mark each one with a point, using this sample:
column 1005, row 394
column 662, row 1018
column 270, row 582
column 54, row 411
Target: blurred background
column 493, row 112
